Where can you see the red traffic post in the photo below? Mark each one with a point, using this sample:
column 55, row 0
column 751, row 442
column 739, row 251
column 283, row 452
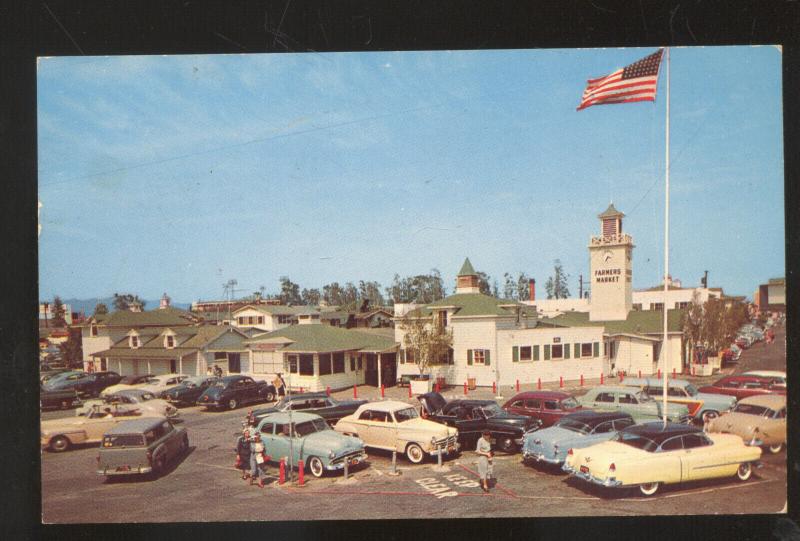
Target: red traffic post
column 640, row 374
column 601, row 378
column 383, row 391
column 355, row 391
column 581, row 380
column 436, row 387
column 328, row 390
column 494, row 387
column 659, row 373
column 561, row 381
column 693, row 373
column 539, row 384
column 673, row 374
column 301, row 478
column 282, row 472
column 465, row 387
column 517, row 385
column 622, row 376
column 409, row 390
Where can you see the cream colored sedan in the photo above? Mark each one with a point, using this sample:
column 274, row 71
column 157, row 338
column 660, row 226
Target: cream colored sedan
column 396, row 426
column 60, row 434
column 651, row 454
column 758, row 420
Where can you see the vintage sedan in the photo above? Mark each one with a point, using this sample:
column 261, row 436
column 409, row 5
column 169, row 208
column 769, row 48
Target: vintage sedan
column 85, row 383
column 744, row 386
column 232, row 391
column 547, row 406
column 702, row 406
column 311, row 440
column 163, row 382
column 779, row 376
column 144, row 401
column 651, row 454
column 189, row 390
column 574, row 431
column 396, row 426
column 65, row 399
column 142, row 446
column 320, row 404
column 60, row 434
column 473, row 417
column 637, row 403
column 128, row 382
column 758, row 420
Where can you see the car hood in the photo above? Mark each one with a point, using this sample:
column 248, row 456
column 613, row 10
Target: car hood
column 509, row 419
column 724, row 401
column 432, row 402
column 555, row 435
column 436, row 429
column 739, row 423
column 329, row 440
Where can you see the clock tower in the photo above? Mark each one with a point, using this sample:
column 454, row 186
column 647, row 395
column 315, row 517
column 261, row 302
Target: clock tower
column 610, row 266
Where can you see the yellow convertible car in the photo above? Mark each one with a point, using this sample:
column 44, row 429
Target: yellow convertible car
column 651, row 454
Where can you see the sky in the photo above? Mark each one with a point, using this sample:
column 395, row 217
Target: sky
column 177, row 173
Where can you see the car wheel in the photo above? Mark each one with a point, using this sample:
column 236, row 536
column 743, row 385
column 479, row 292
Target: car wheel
column 648, row 489
column 415, row 453
column 507, row 444
column 709, row 416
column 59, row 444
column 316, row 467
column 270, row 396
column 775, row 449
column 745, row 471
column 65, row 404
column 233, row 403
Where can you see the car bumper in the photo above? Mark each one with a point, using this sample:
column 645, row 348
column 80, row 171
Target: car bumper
column 607, row 482
column 131, row 471
column 209, row 404
column 540, row 457
column 450, row 449
column 352, row 460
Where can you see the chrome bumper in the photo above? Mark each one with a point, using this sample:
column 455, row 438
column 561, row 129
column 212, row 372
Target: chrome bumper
column 435, row 451
column 338, row 463
column 539, row 457
column 607, row 482
column 132, row 471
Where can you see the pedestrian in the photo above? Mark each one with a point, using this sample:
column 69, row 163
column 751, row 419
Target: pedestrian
column 209, row 371
column 243, row 453
column 484, row 450
column 217, row 371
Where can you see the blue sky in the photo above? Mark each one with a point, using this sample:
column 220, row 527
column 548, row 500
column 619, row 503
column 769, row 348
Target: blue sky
column 176, row 173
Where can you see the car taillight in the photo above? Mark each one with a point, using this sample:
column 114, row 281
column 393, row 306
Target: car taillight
column 569, row 452
column 612, row 468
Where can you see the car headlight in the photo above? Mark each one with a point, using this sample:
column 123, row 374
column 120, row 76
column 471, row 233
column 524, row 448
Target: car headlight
column 331, row 454
column 433, row 440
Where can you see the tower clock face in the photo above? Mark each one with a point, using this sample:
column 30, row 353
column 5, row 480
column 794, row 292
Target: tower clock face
column 607, row 256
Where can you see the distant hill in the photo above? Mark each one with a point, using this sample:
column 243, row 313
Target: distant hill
column 87, row 305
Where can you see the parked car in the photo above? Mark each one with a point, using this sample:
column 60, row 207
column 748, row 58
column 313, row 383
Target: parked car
column 47, row 371
column 128, row 382
column 60, row 434
column 163, row 382
column 85, row 383
column 233, row 391
column 141, row 446
column 573, row 431
column 320, row 404
column 778, row 376
column 473, row 417
column 651, row 454
column 189, row 390
column 743, row 386
column 144, row 401
column 702, row 406
column 64, row 399
column 396, row 426
column 758, row 420
column 312, row 441
column 637, row 403
column 547, row 406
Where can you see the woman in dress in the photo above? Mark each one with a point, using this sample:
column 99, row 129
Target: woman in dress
column 484, row 450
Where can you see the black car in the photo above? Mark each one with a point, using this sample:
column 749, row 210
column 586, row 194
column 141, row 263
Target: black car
column 233, row 391
column 320, row 404
column 189, row 390
column 473, row 417
column 64, row 399
column 85, row 383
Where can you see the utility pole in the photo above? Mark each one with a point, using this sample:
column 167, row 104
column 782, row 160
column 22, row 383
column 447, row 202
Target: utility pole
column 580, row 286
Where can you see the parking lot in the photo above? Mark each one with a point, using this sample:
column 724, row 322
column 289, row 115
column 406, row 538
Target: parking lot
column 204, row 486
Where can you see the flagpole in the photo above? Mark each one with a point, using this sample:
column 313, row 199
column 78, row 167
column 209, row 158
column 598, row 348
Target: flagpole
column 664, row 352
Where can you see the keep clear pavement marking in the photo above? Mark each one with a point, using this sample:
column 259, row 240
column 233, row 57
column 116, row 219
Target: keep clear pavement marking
column 442, row 489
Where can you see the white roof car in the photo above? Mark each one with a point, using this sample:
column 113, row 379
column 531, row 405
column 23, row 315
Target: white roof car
column 776, row 374
column 163, row 382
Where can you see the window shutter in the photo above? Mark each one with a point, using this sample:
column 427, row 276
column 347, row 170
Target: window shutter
column 547, row 352
column 566, row 351
column 401, row 356
column 469, row 357
column 515, row 354
column 486, row 357
column 596, row 349
column 536, row 353
column 577, row 349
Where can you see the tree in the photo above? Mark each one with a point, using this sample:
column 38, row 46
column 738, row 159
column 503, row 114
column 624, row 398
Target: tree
column 72, row 350
column 427, row 342
column 349, row 296
column 290, row 292
column 523, row 291
column 483, row 283
column 713, row 324
column 509, row 287
column 124, row 301
column 556, row 286
column 100, row 309
column 332, row 294
column 311, row 297
column 422, row 288
column 58, row 312
column 370, row 291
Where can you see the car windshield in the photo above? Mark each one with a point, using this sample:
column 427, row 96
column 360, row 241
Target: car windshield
column 644, row 397
column 220, row 383
column 309, row 427
column 635, row 440
column 752, row 409
column 194, row 381
column 569, row 403
column 493, row 410
column 691, row 390
column 405, row 414
column 124, row 440
column 575, row 426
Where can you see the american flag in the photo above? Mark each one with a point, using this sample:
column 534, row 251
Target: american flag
column 636, row 82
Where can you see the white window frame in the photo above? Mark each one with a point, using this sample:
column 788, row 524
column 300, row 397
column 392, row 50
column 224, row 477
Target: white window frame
column 553, row 352
column 479, row 353
column 530, row 354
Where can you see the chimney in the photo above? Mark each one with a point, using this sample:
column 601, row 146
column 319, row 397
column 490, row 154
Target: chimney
column 532, row 289
column 164, row 302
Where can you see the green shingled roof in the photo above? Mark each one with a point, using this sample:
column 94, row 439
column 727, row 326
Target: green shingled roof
column 637, row 322
column 317, row 337
column 610, row 212
column 165, row 317
column 478, row 304
column 466, row 269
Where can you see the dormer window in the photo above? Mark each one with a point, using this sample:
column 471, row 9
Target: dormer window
column 134, row 341
column 169, row 341
column 93, row 330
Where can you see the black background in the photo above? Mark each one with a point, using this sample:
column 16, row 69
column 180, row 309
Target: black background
column 59, row 27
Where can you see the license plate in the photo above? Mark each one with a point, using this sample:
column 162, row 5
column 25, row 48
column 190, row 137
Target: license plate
column 124, row 468
column 450, row 448
column 584, row 469
column 353, row 461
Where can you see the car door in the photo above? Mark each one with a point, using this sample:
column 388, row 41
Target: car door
column 703, row 460
column 363, row 425
column 550, row 412
column 280, row 442
column 670, row 464
column 169, row 442
column 627, row 401
column 605, row 401
column 383, row 430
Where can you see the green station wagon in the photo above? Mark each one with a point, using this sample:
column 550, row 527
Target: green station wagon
column 141, row 446
column 641, row 406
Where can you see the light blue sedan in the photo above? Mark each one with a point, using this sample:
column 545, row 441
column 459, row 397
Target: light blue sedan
column 573, row 431
column 307, row 437
column 703, row 407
